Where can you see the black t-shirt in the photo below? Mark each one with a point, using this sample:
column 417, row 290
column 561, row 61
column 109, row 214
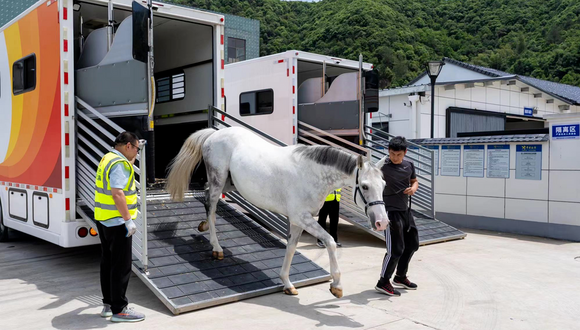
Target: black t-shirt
column 398, row 178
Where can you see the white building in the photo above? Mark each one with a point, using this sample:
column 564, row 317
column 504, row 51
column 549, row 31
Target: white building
column 470, row 98
column 522, row 175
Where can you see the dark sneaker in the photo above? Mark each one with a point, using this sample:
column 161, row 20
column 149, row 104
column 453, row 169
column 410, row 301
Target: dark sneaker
column 404, row 283
column 128, row 315
column 106, row 312
column 320, row 244
column 338, row 244
column 387, row 289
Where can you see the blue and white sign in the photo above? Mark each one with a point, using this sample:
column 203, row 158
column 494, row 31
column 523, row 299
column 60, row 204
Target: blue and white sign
column 450, row 160
column 529, row 161
column 435, row 157
column 528, row 112
column 473, row 161
column 498, row 161
column 567, row 131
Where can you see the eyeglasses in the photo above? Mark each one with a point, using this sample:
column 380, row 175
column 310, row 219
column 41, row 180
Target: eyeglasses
column 136, row 147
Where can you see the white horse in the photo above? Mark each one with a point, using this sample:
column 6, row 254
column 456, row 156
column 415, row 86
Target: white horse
column 292, row 181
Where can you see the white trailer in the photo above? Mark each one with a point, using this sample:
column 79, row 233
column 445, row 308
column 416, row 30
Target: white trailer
column 273, row 93
column 300, row 97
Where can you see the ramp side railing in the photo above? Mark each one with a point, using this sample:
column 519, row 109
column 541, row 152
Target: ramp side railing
column 95, row 136
column 311, row 135
column 375, row 147
column 274, row 221
column 423, row 201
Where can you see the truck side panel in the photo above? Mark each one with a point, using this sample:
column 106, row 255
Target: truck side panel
column 262, row 75
column 30, row 144
column 31, row 132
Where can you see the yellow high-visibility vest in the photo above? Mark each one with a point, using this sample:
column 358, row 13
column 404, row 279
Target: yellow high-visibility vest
column 105, row 208
column 334, row 195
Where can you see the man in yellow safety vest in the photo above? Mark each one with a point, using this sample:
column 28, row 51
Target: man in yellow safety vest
column 330, row 209
column 115, row 210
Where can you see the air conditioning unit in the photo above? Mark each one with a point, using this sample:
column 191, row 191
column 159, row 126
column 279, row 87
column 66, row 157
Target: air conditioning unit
column 564, row 107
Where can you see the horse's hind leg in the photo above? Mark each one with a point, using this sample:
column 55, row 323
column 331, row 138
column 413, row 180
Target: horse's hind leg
column 293, row 238
column 228, row 186
column 216, row 179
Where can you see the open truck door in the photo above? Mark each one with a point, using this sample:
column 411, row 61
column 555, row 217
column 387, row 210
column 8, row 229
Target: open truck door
column 143, row 52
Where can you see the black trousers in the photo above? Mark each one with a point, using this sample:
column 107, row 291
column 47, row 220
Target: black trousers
column 330, row 209
column 116, row 259
column 402, row 239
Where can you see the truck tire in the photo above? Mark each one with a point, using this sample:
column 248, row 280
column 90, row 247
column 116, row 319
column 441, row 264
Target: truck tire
column 3, row 229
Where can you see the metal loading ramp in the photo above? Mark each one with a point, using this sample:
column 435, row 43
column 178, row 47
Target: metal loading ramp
column 430, row 230
column 182, row 272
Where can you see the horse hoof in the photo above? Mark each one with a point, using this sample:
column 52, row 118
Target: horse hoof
column 291, row 291
column 203, row 226
column 218, row 255
column 336, row 292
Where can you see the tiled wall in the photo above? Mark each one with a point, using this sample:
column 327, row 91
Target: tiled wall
column 243, row 28
column 553, row 199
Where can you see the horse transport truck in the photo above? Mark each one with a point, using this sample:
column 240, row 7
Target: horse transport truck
column 67, row 68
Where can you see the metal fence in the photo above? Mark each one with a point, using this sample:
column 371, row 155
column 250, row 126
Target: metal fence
column 95, row 135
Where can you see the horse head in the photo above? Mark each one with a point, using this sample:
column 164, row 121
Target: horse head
column 368, row 192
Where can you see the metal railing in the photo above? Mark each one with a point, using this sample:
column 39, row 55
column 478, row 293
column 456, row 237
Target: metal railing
column 375, row 147
column 274, row 221
column 424, row 160
column 311, row 135
column 95, row 135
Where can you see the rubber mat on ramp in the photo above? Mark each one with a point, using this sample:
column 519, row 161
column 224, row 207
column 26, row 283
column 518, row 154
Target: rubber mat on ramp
column 430, row 230
column 185, row 277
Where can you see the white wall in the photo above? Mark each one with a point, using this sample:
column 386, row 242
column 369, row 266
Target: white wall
column 553, row 199
column 399, row 123
column 496, row 97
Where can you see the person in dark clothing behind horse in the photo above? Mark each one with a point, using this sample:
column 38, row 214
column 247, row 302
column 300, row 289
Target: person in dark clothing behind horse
column 402, row 237
column 330, row 209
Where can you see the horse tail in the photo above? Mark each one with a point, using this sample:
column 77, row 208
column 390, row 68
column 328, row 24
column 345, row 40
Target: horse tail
column 182, row 166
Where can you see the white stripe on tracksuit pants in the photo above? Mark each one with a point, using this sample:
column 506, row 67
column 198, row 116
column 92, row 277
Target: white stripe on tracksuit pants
column 402, row 240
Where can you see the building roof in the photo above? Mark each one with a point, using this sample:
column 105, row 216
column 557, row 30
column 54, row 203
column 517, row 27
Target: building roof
column 567, row 93
column 487, row 139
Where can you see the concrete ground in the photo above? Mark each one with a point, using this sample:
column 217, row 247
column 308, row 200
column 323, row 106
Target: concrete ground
column 486, row 281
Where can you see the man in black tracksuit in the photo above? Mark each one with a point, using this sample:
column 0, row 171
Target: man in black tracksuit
column 401, row 236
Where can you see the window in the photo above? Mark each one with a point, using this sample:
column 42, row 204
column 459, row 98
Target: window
column 24, row 75
column 236, row 50
column 170, row 88
column 257, row 102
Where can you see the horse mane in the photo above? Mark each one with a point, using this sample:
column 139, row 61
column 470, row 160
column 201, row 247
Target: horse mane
column 329, row 156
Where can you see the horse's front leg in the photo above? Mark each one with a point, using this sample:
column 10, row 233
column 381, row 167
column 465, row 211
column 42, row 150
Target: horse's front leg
column 314, row 229
column 293, row 238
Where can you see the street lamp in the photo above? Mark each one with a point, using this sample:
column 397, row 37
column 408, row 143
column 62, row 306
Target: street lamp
column 433, row 70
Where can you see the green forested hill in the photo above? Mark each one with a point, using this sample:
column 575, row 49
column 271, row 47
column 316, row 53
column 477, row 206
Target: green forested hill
column 539, row 38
